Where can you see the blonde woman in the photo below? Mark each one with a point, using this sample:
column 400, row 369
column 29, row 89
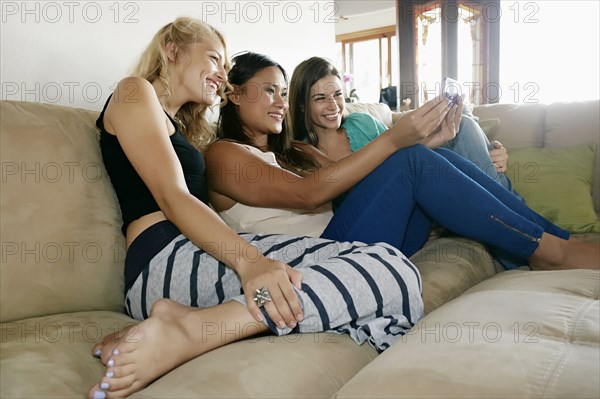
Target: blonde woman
column 185, row 266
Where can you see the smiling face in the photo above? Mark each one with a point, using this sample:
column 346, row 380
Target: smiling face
column 200, row 71
column 326, row 103
column 262, row 102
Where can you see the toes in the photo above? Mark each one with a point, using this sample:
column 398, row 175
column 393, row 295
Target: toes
column 118, row 384
column 96, row 393
column 97, row 350
column 119, row 371
column 108, row 351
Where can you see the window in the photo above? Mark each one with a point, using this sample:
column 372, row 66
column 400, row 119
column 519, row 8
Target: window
column 457, row 39
column 369, row 60
column 549, row 51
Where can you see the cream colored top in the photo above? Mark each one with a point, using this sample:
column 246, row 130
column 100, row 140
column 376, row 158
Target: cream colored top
column 243, row 218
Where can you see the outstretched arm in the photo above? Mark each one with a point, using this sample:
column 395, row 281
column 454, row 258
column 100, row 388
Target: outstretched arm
column 236, row 173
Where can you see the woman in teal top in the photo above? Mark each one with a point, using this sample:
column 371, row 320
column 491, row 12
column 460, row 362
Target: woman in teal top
column 391, row 188
column 326, row 116
column 318, row 117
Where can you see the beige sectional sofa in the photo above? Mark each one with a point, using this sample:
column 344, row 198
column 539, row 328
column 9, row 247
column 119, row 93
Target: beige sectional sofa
column 487, row 332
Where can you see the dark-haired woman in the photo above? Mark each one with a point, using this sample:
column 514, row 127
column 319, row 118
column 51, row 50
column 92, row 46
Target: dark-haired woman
column 261, row 180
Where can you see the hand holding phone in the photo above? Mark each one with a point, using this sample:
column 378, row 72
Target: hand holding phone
column 451, row 90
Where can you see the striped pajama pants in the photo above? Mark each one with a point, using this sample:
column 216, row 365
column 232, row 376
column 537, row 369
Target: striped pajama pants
column 371, row 292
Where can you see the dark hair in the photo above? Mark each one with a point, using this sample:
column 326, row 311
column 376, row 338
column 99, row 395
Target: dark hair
column 304, row 77
column 231, row 126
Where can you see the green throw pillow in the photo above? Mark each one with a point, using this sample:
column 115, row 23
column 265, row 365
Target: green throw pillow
column 557, row 183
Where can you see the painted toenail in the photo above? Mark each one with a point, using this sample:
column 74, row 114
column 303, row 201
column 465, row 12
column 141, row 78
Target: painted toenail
column 111, row 363
column 110, row 374
column 98, row 352
column 104, row 385
column 116, row 352
column 99, row 395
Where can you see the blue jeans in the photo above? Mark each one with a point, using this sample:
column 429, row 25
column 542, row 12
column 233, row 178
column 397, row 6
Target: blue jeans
column 471, row 143
column 397, row 202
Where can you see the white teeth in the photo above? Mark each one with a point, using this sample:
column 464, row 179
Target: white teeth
column 213, row 85
column 332, row 117
column 276, row 116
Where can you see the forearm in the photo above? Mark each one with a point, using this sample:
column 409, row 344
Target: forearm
column 336, row 178
column 207, row 230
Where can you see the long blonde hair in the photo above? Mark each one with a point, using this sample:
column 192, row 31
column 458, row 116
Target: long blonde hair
column 153, row 66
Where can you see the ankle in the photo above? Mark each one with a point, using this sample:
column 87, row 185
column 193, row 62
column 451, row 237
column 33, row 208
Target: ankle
column 551, row 253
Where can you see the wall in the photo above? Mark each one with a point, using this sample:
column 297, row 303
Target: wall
column 73, row 52
column 370, row 20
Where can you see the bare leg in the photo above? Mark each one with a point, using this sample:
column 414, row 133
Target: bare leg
column 554, row 253
column 172, row 335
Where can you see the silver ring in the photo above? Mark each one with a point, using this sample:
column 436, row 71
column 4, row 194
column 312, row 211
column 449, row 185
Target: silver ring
column 261, row 296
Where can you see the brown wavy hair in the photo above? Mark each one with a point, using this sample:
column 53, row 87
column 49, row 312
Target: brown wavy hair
column 305, row 75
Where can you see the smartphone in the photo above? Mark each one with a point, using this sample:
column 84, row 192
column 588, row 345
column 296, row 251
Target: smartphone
column 451, row 89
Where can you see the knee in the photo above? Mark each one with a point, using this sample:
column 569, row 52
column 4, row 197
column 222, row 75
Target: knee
column 410, row 154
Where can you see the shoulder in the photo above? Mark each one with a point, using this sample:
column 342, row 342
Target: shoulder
column 133, row 93
column 363, row 121
column 133, row 90
column 313, row 151
column 134, row 101
column 223, row 150
column 360, row 117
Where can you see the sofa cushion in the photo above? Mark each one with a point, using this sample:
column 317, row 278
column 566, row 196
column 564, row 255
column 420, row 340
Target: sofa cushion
column 519, row 334
column 449, row 266
column 62, row 249
column 57, row 351
column 520, row 125
column 557, row 183
column 575, row 123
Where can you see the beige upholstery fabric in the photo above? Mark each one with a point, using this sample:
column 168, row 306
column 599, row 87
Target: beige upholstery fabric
column 56, row 195
column 520, row 125
column 449, row 267
column 51, row 357
column 62, row 249
column 379, row 111
column 517, row 335
column 554, row 125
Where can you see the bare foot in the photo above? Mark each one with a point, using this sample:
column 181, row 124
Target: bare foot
column 111, row 340
column 171, row 336
column 557, row 254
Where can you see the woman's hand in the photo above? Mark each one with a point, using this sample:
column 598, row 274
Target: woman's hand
column 417, row 126
column 499, row 156
column 447, row 129
column 277, row 277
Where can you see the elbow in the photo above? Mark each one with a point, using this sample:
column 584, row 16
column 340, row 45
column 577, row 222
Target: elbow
column 312, row 199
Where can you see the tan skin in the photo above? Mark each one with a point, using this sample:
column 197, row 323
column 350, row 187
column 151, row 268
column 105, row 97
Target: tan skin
column 274, row 187
column 327, row 106
column 170, row 336
column 278, row 188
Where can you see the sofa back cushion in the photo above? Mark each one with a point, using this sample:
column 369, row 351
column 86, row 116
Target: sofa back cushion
column 379, row 111
column 576, row 123
column 520, row 125
column 62, row 248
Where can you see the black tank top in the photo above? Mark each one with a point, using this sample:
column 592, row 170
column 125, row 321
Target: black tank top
column 135, row 199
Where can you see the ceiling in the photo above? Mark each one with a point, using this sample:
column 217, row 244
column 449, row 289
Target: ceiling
column 349, row 8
